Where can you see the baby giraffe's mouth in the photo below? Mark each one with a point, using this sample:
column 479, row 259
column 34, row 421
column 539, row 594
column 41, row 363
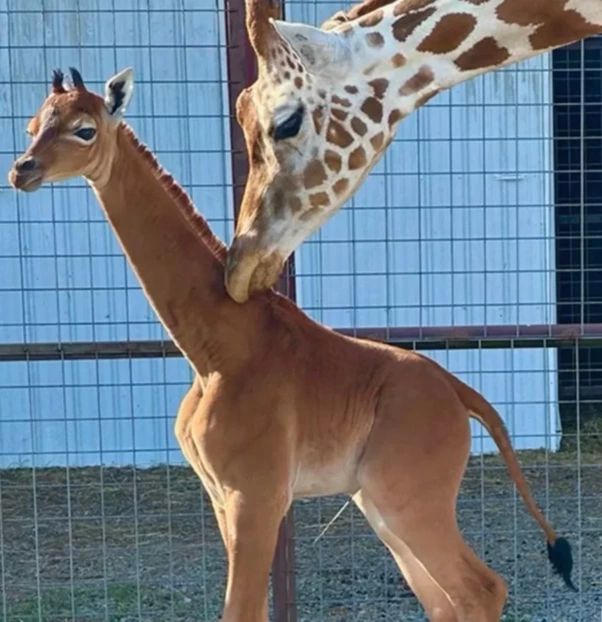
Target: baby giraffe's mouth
column 28, row 182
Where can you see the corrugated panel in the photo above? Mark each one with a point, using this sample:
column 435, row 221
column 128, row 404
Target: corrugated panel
column 453, row 226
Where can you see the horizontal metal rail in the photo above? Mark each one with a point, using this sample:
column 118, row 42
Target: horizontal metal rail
column 414, row 338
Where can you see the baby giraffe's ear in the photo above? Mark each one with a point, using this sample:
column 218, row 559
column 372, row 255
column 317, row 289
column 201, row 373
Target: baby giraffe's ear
column 118, row 92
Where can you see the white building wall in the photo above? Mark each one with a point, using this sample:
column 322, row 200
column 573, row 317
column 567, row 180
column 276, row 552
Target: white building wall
column 454, row 226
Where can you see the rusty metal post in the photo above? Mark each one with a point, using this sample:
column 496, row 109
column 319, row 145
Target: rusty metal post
column 242, row 72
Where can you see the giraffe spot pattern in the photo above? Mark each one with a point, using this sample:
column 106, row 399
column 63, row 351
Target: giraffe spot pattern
column 338, row 135
column 379, row 86
column 295, row 204
column 340, row 115
column 357, row 158
column 318, row 116
column 398, row 60
column 372, row 19
column 394, row 117
column 340, row 186
column 314, row 175
column 373, row 109
column 530, row 13
column 333, row 160
column 420, row 80
column 341, row 102
column 485, row 53
column 320, row 199
column 299, row 82
column 557, row 32
column 449, row 32
column 352, row 90
column 375, row 40
column 358, row 126
column 406, row 24
column 377, row 141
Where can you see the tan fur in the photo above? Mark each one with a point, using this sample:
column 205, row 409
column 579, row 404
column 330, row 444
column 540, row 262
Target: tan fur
column 282, row 407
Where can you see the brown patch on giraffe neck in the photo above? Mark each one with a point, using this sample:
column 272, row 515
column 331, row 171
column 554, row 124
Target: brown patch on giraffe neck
column 314, row 175
column 568, row 27
column 420, row 80
column 340, row 186
column 377, row 141
column 485, row 53
column 338, row 135
column 357, row 159
column 380, row 86
column 358, row 126
column 320, row 199
column 394, row 117
column 375, row 40
column 352, row 90
column 333, row 160
column 398, row 60
column 372, row 19
column 373, row 109
column 299, row 82
column 406, row 24
column 449, row 32
column 530, row 13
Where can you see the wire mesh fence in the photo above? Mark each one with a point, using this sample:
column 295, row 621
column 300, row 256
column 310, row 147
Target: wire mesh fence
column 475, row 240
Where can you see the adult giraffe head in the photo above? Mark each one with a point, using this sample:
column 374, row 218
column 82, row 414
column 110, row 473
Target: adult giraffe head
column 327, row 101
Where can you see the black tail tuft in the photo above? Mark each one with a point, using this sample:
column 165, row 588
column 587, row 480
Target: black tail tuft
column 561, row 559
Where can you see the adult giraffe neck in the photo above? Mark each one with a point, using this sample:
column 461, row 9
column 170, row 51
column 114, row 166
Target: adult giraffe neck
column 174, row 254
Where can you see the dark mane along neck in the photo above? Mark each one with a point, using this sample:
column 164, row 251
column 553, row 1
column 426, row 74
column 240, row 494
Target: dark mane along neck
column 180, row 197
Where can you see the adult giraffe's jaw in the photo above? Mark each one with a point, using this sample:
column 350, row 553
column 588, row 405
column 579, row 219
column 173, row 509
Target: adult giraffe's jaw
column 249, row 270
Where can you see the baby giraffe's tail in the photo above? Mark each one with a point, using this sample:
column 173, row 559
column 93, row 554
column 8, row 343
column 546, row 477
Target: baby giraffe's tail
column 559, row 549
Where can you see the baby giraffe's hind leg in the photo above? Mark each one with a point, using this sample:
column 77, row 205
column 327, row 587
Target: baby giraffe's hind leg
column 435, row 601
column 411, row 471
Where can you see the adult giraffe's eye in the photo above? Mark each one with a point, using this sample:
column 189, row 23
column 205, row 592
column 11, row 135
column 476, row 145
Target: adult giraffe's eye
column 85, row 133
column 290, row 127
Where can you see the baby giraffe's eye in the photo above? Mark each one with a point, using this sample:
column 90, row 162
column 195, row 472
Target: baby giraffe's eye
column 85, row 133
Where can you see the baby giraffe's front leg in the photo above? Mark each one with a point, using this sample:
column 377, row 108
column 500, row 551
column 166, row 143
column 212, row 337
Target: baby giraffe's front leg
column 253, row 527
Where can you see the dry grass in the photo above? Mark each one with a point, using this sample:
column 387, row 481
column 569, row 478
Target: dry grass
column 121, row 545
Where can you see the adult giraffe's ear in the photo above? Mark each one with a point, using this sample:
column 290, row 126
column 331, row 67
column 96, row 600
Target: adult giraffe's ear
column 322, row 52
column 118, row 92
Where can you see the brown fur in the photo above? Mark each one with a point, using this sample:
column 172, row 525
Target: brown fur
column 282, row 407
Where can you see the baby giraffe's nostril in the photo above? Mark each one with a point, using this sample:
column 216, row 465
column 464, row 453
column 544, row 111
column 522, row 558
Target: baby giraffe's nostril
column 26, row 165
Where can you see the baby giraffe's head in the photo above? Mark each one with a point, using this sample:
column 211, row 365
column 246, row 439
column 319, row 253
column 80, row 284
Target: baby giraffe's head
column 73, row 132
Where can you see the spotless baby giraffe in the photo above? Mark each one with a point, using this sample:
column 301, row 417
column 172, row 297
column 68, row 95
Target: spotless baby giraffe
column 328, row 101
column 282, row 407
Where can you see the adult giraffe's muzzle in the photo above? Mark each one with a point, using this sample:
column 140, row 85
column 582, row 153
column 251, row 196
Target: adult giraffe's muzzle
column 250, row 269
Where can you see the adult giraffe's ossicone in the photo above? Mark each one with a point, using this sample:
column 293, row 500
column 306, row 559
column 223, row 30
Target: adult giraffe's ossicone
column 328, row 101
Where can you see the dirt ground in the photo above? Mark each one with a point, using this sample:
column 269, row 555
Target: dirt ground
column 119, row 545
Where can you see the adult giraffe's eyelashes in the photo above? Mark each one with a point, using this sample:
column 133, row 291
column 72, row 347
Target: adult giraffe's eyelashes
column 289, row 127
